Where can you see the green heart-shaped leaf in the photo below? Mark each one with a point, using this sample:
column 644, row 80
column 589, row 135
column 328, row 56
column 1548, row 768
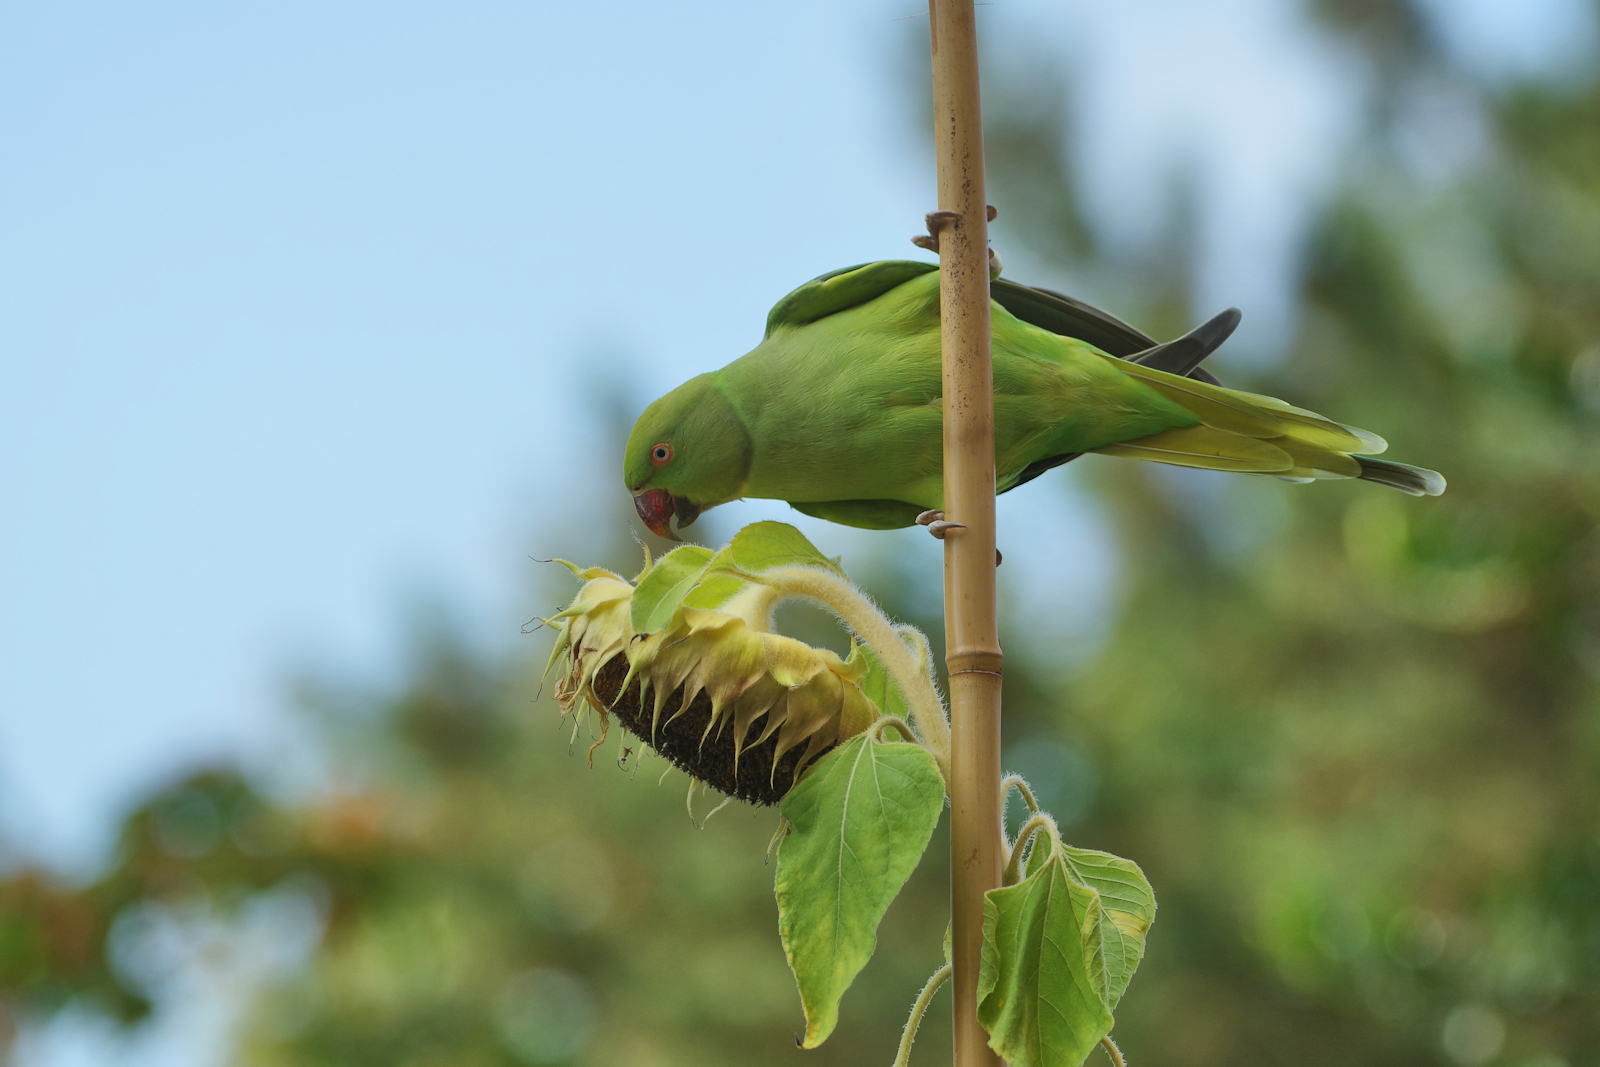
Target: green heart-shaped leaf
column 715, row 590
column 762, row 546
column 861, row 819
column 1127, row 908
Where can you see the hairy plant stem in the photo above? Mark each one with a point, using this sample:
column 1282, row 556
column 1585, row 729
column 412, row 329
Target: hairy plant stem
column 942, row 975
column 1040, row 821
column 1113, row 1051
column 755, row 606
column 1017, row 782
column 884, row 638
column 900, row 725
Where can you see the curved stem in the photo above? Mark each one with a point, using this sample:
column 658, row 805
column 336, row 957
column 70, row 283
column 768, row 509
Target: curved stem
column 858, row 613
column 917, row 1010
column 754, row 605
column 1016, row 781
column 1113, row 1051
column 876, row 729
column 1041, row 821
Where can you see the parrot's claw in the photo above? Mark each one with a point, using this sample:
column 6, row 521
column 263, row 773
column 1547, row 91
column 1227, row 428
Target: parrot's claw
column 936, row 221
column 934, row 521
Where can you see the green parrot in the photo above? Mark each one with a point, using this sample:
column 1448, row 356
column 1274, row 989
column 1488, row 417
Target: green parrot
column 838, row 409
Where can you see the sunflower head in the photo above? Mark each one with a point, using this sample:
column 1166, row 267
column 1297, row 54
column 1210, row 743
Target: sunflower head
column 685, row 658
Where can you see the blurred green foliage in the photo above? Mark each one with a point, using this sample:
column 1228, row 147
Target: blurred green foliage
column 1352, row 738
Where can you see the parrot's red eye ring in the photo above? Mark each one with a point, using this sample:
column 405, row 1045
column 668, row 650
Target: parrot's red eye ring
column 661, row 454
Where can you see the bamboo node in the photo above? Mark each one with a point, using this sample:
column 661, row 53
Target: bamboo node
column 975, row 662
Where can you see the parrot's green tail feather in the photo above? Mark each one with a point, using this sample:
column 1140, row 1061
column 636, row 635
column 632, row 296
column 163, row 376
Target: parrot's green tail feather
column 1256, row 416
column 1206, row 447
column 1254, row 434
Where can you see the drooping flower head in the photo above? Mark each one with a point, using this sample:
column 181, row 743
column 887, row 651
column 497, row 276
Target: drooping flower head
column 685, row 658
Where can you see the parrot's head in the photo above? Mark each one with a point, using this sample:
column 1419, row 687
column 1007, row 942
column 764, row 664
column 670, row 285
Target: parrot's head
column 689, row 451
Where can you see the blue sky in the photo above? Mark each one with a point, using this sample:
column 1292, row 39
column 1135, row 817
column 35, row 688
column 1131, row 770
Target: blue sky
column 299, row 302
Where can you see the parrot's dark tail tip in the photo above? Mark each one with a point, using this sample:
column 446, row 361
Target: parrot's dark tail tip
column 1417, row 481
column 1184, row 356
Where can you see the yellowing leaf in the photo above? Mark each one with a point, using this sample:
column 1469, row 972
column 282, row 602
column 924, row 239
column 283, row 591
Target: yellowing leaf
column 861, row 819
column 1127, row 908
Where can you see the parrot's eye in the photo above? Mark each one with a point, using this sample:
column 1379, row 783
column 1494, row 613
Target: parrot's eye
column 660, row 453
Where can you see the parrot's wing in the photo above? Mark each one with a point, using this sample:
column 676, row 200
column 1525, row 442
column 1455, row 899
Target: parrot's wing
column 843, row 289
column 1181, row 357
column 1059, row 313
column 848, row 287
column 1184, row 356
column 1062, row 314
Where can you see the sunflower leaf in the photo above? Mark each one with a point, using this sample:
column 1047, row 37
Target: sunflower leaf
column 861, row 819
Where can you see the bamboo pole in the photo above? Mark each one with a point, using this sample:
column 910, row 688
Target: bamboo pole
column 972, row 639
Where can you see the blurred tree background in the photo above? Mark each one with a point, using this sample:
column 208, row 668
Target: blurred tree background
column 1351, row 737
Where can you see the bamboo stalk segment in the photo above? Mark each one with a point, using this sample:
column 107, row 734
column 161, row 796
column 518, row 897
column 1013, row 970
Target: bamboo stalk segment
column 972, row 638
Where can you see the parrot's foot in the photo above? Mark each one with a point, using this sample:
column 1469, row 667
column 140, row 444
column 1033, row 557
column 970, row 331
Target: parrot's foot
column 934, row 521
column 936, row 221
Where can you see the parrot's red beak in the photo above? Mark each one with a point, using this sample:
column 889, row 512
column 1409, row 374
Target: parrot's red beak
column 657, row 508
